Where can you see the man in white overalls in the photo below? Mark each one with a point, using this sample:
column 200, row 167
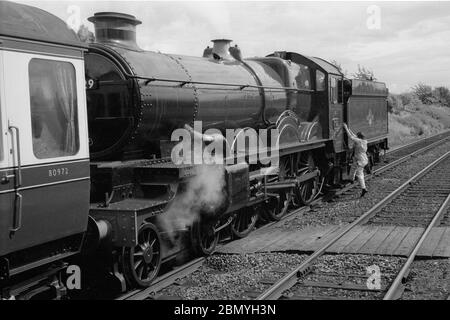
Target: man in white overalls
column 360, row 159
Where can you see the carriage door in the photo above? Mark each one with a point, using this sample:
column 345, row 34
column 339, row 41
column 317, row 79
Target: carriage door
column 46, row 127
column 8, row 179
column 7, row 192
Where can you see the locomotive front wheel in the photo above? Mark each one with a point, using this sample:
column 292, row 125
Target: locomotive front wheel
column 204, row 238
column 141, row 264
column 243, row 222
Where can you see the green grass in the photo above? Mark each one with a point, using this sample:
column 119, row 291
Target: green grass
column 416, row 120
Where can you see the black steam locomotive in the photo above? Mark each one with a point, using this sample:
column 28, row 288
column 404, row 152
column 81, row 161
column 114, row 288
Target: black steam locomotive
column 86, row 151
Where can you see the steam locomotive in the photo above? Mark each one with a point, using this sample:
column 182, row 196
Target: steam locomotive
column 86, row 144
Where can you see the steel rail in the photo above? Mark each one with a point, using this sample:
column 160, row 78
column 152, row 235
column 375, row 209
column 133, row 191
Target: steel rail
column 289, row 280
column 395, row 291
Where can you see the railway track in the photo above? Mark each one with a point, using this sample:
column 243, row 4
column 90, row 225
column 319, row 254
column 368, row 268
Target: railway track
column 164, row 281
column 397, row 287
column 405, row 149
column 394, row 157
column 435, row 177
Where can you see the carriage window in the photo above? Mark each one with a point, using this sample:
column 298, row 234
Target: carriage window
column 53, row 103
column 320, row 81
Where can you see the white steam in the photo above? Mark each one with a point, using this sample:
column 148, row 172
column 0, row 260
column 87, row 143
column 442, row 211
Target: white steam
column 203, row 193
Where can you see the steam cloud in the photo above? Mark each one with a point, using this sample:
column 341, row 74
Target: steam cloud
column 203, row 193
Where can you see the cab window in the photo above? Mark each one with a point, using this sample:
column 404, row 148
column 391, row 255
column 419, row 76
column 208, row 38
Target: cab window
column 320, row 81
column 53, row 104
column 303, row 77
column 333, row 90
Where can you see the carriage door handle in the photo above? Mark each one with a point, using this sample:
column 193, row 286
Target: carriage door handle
column 17, row 221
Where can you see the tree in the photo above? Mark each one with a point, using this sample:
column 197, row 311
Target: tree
column 424, row 93
column 85, row 35
column 364, row 74
column 339, row 66
column 442, row 95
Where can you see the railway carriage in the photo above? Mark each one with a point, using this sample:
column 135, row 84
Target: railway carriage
column 44, row 153
column 86, row 141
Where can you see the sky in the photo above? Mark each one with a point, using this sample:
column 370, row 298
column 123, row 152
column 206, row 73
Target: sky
column 403, row 42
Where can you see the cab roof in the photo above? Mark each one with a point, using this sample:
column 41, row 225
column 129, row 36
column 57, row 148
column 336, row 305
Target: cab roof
column 30, row 23
column 325, row 65
column 315, row 62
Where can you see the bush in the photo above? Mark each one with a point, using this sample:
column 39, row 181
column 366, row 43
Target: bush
column 414, row 104
column 395, row 103
column 442, row 96
column 407, row 98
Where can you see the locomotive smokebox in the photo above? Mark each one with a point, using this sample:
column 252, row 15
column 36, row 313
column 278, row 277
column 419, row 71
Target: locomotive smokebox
column 116, row 29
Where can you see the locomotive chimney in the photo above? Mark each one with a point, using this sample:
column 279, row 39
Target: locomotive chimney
column 115, row 28
column 221, row 49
